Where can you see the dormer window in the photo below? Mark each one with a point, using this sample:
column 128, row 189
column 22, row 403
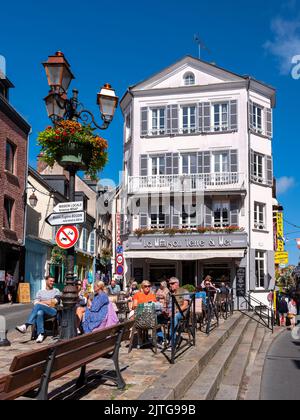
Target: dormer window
column 189, row 79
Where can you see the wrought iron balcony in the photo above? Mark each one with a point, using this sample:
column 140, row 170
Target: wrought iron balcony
column 186, row 183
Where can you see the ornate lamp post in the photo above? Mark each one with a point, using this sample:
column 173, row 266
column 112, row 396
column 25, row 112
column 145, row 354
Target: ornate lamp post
column 59, row 108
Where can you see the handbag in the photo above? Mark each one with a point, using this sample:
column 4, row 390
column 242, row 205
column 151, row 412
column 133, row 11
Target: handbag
column 145, row 316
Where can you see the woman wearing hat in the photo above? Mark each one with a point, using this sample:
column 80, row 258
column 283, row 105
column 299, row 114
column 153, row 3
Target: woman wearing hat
column 145, row 295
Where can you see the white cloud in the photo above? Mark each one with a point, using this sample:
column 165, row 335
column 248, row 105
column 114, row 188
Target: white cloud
column 286, row 42
column 284, row 184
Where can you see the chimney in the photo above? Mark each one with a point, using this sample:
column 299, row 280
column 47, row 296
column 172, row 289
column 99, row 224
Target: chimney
column 90, row 182
column 41, row 165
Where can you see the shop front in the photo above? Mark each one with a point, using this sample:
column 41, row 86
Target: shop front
column 12, row 259
column 84, row 266
column 189, row 257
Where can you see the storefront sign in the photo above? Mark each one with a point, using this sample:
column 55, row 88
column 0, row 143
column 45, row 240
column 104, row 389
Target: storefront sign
column 24, row 293
column 241, row 281
column 155, row 242
column 280, row 241
column 281, row 257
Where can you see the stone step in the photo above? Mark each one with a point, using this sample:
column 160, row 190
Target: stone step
column 232, row 381
column 206, row 385
column 174, row 383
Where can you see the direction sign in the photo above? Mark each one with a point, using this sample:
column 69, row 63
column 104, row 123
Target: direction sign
column 59, row 219
column 67, row 236
column 68, row 207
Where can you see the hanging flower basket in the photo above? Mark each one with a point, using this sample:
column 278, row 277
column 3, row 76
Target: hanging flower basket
column 71, row 144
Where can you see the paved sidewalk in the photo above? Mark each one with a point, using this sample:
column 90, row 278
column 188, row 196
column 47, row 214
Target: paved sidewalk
column 141, row 369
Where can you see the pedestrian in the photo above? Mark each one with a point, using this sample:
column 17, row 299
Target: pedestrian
column 44, row 305
column 292, row 312
column 11, row 287
column 283, row 311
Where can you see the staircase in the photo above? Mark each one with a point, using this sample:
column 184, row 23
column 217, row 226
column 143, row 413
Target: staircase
column 256, row 310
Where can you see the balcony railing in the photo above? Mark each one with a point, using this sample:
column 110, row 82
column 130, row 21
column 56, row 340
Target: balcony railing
column 186, row 183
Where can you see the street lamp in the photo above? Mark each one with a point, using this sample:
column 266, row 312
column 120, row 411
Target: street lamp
column 33, row 200
column 59, row 107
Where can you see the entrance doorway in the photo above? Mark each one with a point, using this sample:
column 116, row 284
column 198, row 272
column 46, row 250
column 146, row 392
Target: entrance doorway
column 159, row 273
column 188, row 272
column 219, row 273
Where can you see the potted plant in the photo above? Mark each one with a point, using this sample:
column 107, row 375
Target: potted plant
column 72, row 144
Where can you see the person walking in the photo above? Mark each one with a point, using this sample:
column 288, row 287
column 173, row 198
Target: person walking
column 44, row 305
column 292, row 312
column 11, row 287
column 283, row 311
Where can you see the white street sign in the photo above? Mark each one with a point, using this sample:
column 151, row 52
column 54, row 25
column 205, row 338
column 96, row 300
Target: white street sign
column 60, row 219
column 68, row 207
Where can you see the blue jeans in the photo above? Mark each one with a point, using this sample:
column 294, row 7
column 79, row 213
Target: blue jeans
column 37, row 316
column 178, row 317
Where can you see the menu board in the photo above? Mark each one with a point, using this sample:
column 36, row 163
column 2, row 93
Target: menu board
column 241, row 281
column 24, row 293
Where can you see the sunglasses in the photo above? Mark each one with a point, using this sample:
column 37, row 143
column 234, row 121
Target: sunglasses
column 146, row 286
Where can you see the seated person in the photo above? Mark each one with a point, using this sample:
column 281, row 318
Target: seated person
column 145, row 295
column 162, row 294
column 80, row 307
column 44, row 305
column 100, row 312
column 114, row 288
column 201, row 294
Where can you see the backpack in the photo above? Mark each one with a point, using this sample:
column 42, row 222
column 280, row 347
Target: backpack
column 283, row 306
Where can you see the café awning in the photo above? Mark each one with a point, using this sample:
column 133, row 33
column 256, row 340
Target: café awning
column 186, row 255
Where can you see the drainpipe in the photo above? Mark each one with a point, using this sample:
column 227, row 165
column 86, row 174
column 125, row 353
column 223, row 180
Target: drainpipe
column 249, row 184
column 25, row 199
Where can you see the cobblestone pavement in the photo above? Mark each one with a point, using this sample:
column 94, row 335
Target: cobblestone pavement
column 141, row 368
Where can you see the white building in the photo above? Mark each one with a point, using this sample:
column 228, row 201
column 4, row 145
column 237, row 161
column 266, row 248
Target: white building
column 198, row 133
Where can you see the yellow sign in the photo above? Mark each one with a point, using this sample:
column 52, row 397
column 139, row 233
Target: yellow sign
column 24, row 293
column 280, row 241
column 281, row 257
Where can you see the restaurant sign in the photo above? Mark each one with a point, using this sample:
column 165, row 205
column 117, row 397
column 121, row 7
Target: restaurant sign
column 194, row 241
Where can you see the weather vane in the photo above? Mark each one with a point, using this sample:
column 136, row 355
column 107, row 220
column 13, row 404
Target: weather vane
column 201, row 45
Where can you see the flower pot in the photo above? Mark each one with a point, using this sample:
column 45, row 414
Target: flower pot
column 75, row 154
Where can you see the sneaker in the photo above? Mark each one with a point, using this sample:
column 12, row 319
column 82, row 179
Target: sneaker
column 22, row 329
column 40, row 339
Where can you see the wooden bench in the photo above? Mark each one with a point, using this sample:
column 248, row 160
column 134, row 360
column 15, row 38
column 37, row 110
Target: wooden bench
column 35, row 369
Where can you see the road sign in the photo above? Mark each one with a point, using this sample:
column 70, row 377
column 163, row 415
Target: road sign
column 67, row 236
column 68, row 207
column 59, row 219
column 120, row 259
column 120, row 249
column 120, row 270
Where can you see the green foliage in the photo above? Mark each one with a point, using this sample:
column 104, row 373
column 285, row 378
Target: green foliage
column 189, row 287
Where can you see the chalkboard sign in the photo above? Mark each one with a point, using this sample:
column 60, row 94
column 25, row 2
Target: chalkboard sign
column 241, row 281
column 138, row 275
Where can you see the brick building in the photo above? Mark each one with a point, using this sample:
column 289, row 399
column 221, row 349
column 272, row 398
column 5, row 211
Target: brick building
column 14, row 132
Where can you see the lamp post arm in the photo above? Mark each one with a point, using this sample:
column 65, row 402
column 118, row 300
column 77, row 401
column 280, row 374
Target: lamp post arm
column 84, row 115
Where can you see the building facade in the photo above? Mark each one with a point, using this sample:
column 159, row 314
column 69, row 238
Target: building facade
column 14, row 132
column 198, row 177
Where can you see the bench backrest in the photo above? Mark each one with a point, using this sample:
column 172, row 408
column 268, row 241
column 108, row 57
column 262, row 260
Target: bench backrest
column 28, row 368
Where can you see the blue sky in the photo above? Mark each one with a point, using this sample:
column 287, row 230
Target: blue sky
column 125, row 42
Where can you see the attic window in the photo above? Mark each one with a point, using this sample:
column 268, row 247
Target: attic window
column 189, row 79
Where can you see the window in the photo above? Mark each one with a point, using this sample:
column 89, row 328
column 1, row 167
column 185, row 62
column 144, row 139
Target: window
column 188, row 216
column 189, row 79
column 8, row 213
column 158, row 165
column 257, row 113
column 128, row 127
column 158, row 218
column 188, row 119
column 258, row 168
column 10, row 157
column 158, row 121
column 220, row 117
column 260, row 268
column 259, row 216
column 84, row 239
column 92, row 242
column 220, row 162
column 221, row 214
column 189, row 164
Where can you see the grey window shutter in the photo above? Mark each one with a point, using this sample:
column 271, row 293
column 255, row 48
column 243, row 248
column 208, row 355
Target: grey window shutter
column 206, row 117
column 233, row 115
column 143, row 220
column 251, row 116
column 144, row 121
column 200, row 162
column 233, row 160
column 169, row 164
column 251, row 165
column 144, row 165
column 269, row 123
column 168, row 131
column 174, row 119
column 200, row 214
column 166, row 212
column 234, row 213
column 208, row 213
column 200, row 118
column 175, row 217
column 206, row 162
column 175, row 163
column 269, row 170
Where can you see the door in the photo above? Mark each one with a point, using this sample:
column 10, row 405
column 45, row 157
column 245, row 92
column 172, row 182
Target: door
column 220, row 167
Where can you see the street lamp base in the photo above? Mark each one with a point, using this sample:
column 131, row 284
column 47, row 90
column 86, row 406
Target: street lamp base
column 68, row 324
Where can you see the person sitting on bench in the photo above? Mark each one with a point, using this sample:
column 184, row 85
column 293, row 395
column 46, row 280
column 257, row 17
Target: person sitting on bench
column 44, row 306
column 97, row 309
